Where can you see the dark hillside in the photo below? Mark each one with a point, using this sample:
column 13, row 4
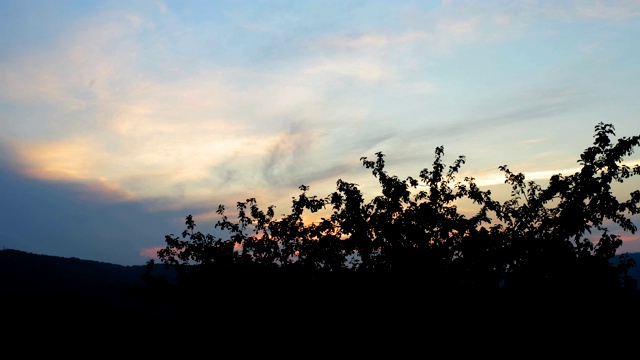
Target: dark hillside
column 44, row 295
column 43, row 289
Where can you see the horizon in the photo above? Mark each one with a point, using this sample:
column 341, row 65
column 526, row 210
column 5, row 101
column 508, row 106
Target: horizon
column 119, row 119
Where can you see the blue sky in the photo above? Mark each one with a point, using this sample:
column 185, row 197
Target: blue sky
column 119, row 119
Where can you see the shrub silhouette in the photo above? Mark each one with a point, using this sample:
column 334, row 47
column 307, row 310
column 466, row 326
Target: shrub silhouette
column 541, row 240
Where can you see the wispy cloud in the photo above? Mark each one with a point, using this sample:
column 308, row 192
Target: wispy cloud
column 534, row 141
column 430, row 36
column 369, row 41
column 493, row 177
column 361, row 69
column 578, row 10
column 610, row 10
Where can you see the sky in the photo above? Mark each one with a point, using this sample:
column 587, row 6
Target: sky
column 118, row 119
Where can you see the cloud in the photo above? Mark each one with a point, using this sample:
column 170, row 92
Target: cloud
column 369, row 41
column 151, row 252
column 124, row 129
column 179, row 139
column 630, row 243
column 286, row 155
column 493, row 177
column 55, row 218
column 609, row 10
column 190, row 133
column 97, row 54
column 359, row 68
column 72, row 159
column 162, row 7
column 429, row 36
column 465, row 28
column 534, row 141
column 539, row 103
column 500, row 117
column 587, row 10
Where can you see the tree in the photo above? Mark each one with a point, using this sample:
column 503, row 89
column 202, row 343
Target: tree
column 412, row 234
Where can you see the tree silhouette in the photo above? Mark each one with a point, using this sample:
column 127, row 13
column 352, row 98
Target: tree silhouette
column 541, row 240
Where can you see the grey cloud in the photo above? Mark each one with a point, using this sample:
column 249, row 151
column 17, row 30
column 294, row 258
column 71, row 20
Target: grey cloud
column 538, row 104
column 306, row 157
column 54, row 219
column 284, row 159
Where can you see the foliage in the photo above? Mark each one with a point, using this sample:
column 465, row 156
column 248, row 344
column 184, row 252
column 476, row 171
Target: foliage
column 553, row 238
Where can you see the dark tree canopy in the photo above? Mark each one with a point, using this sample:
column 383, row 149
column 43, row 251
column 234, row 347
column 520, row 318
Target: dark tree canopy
column 412, row 236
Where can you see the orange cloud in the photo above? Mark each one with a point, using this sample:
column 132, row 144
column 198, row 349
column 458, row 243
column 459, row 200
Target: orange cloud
column 73, row 161
column 207, row 216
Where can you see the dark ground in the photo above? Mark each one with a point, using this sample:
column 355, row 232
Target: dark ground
column 45, row 297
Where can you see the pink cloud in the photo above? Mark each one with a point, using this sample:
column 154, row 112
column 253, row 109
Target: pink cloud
column 630, row 243
column 151, row 252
